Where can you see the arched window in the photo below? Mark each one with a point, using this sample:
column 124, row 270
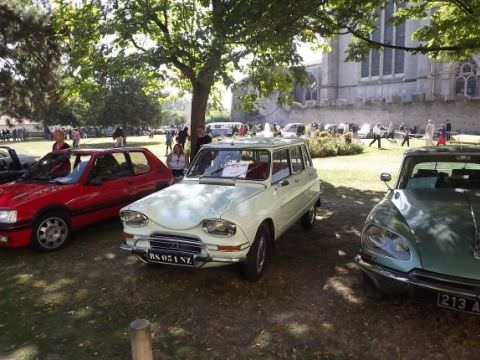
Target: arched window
column 298, row 94
column 311, row 92
column 389, row 62
column 466, row 82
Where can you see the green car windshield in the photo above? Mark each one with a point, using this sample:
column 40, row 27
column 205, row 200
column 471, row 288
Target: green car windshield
column 447, row 172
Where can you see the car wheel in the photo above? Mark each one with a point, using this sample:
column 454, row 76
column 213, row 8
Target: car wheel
column 51, row 232
column 308, row 219
column 259, row 255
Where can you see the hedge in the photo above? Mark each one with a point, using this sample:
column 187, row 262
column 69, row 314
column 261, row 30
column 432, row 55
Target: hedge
column 325, row 145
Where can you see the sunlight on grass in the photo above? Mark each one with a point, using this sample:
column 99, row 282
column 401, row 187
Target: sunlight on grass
column 342, row 289
column 25, row 352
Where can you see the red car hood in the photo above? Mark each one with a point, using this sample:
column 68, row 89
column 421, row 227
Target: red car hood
column 15, row 194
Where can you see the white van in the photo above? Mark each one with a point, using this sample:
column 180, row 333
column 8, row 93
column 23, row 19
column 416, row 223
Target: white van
column 223, row 128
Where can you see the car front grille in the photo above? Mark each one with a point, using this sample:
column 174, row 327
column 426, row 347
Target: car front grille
column 446, row 280
column 176, row 243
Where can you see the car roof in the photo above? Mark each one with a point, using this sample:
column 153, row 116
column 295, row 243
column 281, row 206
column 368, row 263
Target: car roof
column 444, row 150
column 105, row 151
column 255, row 142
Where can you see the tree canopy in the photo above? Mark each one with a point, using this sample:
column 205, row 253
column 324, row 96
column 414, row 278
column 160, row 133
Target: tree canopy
column 194, row 45
column 29, row 58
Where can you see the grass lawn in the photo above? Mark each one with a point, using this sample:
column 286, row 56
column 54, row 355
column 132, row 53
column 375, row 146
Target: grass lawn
column 77, row 303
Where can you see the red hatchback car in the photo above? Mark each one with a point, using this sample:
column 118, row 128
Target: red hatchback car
column 70, row 189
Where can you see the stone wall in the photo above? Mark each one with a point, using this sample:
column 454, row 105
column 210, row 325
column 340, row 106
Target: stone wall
column 463, row 114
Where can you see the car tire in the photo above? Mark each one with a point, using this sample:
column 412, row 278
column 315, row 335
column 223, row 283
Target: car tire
column 51, row 231
column 259, row 255
column 309, row 218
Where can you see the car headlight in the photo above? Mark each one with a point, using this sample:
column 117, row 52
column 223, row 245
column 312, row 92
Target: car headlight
column 133, row 218
column 8, row 216
column 219, row 227
column 384, row 242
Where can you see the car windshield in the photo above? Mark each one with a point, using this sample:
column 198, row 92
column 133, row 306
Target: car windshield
column 461, row 171
column 58, row 167
column 238, row 164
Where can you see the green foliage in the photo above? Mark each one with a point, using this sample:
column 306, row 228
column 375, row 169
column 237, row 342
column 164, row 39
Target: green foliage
column 170, row 117
column 123, row 101
column 29, row 57
column 449, row 29
column 191, row 44
column 326, row 145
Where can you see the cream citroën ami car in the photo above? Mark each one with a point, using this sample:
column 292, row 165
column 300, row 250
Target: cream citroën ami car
column 237, row 198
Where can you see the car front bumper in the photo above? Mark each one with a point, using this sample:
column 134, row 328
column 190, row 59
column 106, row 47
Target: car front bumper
column 207, row 258
column 395, row 281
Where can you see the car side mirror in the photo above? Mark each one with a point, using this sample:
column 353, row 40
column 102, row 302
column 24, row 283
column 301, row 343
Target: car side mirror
column 95, row 181
column 385, row 177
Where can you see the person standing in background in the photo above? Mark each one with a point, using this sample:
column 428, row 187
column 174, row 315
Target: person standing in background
column 448, row 129
column 59, row 138
column 119, row 137
column 406, row 136
column 391, row 131
column 76, row 139
column 168, row 142
column 202, row 139
column 429, row 132
column 442, row 137
column 182, row 137
column 376, row 136
column 177, row 161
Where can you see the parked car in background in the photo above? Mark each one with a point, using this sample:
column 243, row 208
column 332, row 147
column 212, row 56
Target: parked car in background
column 331, row 128
column 425, row 233
column 13, row 165
column 223, row 128
column 67, row 190
column 162, row 130
column 236, row 200
column 291, row 130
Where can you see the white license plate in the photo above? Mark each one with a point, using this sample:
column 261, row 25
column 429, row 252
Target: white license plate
column 458, row 303
column 165, row 258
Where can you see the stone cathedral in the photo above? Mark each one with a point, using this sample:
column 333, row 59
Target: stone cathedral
column 389, row 85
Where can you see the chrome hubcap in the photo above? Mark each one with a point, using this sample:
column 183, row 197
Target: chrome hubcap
column 261, row 254
column 52, row 232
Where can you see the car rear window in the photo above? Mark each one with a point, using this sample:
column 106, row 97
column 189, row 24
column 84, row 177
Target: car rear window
column 139, row 162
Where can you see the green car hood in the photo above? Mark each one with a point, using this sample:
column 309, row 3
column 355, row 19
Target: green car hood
column 443, row 223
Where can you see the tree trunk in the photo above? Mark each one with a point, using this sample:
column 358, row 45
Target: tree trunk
column 200, row 95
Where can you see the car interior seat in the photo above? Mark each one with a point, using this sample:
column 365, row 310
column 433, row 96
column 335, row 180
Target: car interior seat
column 257, row 171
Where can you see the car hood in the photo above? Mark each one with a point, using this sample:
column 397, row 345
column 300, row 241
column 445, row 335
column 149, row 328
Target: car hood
column 443, row 223
column 17, row 193
column 184, row 205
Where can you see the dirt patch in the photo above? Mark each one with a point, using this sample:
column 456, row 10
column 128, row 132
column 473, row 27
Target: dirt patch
column 77, row 303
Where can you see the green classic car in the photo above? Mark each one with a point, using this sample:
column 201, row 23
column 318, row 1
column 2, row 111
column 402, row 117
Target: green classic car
column 425, row 233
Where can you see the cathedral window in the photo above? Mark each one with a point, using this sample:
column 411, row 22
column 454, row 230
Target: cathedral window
column 466, row 82
column 389, row 61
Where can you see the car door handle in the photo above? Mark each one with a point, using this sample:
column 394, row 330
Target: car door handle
column 284, row 182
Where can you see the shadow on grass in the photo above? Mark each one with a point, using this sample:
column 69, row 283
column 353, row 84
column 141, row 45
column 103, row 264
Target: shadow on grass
column 77, row 303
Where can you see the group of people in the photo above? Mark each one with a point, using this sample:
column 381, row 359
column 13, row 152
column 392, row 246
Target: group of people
column 444, row 134
column 177, row 159
column 17, row 134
